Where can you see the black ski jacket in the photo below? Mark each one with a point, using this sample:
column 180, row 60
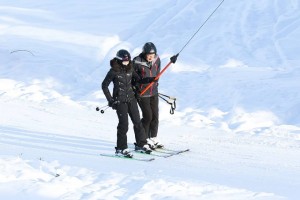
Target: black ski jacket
column 147, row 69
column 123, row 78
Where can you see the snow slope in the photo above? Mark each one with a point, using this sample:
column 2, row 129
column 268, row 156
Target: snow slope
column 236, row 86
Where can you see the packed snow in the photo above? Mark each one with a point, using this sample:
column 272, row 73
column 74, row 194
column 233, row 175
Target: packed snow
column 236, row 84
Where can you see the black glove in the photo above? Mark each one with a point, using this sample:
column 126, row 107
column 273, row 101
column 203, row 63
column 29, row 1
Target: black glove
column 138, row 97
column 174, row 58
column 137, row 92
column 148, row 80
column 113, row 104
column 151, row 79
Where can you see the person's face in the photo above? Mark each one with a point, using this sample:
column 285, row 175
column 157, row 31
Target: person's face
column 125, row 62
column 150, row 57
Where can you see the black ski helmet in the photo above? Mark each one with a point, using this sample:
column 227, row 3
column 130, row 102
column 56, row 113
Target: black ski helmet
column 123, row 55
column 149, row 48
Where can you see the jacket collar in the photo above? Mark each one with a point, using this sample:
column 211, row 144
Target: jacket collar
column 143, row 61
column 117, row 67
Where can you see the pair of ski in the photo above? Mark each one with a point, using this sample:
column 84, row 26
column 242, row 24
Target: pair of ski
column 159, row 152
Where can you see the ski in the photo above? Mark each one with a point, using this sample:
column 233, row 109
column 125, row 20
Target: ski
column 171, row 152
column 129, row 158
column 165, row 153
column 150, row 154
column 161, row 152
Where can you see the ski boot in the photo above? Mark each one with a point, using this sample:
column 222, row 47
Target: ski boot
column 150, row 144
column 144, row 149
column 157, row 143
column 124, row 153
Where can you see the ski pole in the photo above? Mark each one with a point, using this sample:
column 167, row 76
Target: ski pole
column 102, row 109
column 172, row 98
column 171, row 101
column 173, row 105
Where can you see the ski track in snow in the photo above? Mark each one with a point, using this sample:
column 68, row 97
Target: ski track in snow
column 211, row 164
column 57, row 143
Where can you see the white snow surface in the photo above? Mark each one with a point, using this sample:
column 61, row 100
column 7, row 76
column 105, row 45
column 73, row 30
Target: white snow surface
column 236, row 84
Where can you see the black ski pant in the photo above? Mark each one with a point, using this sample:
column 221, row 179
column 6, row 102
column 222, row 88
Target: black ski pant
column 131, row 109
column 150, row 120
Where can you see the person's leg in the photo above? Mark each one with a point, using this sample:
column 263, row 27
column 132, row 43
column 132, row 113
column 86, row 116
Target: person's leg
column 153, row 127
column 140, row 135
column 122, row 112
column 144, row 104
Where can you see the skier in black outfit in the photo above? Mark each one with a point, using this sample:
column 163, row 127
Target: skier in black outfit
column 124, row 102
column 147, row 64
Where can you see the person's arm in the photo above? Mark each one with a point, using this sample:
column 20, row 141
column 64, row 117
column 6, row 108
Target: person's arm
column 137, row 79
column 107, row 80
column 158, row 69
